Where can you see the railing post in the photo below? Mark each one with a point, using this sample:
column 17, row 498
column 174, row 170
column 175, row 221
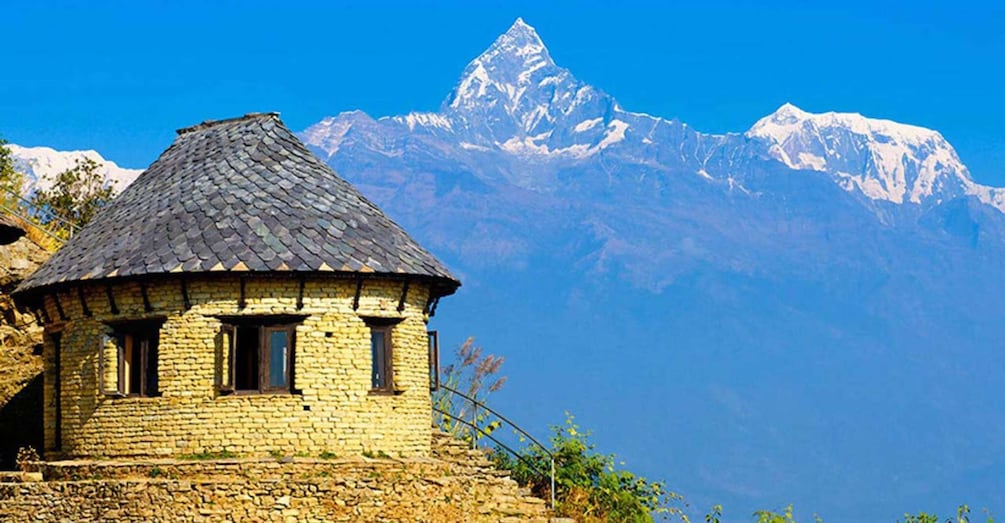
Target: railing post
column 474, row 421
column 552, row 483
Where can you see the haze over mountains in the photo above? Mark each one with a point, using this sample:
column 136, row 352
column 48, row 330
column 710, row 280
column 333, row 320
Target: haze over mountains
column 808, row 312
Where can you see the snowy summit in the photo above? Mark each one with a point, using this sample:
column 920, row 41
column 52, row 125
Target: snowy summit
column 42, row 164
column 513, row 100
column 882, row 159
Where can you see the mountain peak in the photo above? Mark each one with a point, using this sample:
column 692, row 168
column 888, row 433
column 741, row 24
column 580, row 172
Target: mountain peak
column 883, row 159
column 520, row 39
column 505, row 69
column 520, row 27
column 788, row 111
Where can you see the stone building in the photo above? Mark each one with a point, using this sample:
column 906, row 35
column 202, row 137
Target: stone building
column 239, row 297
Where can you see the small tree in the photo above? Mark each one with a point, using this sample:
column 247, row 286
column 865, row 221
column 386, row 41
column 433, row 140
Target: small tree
column 11, row 181
column 76, row 195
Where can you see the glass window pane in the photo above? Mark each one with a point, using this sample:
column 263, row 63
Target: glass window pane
column 277, row 358
column 131, row 364
column 378, row 354
column 246, row 369
column 150, row 360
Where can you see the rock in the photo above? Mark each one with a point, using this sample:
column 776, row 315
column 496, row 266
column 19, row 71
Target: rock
column 11, row 229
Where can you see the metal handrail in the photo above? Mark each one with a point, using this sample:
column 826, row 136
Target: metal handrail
column 67, row 222
column 32, row 213
column 478, row 404
column 488, row 435
column 29, row 221
column 500, row 416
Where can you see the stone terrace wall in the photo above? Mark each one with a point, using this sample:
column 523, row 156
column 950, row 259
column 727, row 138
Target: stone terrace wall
column 463, row 488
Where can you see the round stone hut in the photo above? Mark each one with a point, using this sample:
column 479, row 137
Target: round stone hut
column 239, row 297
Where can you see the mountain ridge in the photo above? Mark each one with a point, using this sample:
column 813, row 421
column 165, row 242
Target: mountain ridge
column 514, row 99
column 42, row 164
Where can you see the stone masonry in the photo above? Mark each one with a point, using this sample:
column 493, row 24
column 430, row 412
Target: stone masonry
column 332, row 410
column 455, row 484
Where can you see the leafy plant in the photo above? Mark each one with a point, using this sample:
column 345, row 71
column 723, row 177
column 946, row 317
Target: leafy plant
column 588, row 485
column 11, row 181
column 767, row 516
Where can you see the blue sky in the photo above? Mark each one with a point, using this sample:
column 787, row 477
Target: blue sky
column 119, row 77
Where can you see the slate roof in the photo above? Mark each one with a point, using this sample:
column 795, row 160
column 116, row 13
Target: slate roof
column 239, row 195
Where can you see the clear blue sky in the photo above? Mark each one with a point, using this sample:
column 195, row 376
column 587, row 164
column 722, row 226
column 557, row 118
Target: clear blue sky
column 119, row 77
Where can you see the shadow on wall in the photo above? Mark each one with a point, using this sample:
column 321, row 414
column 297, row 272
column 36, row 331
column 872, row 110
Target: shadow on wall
column 21, row 423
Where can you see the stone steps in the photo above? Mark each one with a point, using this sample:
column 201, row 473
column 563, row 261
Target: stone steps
column 510, row 501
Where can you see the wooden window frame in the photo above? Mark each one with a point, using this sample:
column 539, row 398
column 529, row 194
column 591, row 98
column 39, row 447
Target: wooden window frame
column 434, row 360
column 387, row 371
column 385, row 326
column 145, row 332
column 265, row 325
column 265, row 358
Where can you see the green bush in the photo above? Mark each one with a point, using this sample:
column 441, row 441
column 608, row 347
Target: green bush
column 589, row 486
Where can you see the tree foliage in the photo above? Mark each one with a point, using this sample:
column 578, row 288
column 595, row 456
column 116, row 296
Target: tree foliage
column 767, row 516
column 590, row 486
column 11, row 180
column 76, row 195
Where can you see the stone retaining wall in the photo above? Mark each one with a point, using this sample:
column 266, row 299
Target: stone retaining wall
column 419, row 489
column 459, row 484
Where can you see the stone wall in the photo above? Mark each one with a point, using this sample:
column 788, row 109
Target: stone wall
column 333, row 409
column 463, row 487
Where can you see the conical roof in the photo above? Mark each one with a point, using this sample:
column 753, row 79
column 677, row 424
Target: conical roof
column 239, row 195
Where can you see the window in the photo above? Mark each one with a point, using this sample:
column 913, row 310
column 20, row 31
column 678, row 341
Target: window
column 128, row 358
column 259, row 354
column 381, row 353
column 434, row 360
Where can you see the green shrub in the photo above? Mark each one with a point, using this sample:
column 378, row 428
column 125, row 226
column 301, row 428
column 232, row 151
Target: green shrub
column 588, row 485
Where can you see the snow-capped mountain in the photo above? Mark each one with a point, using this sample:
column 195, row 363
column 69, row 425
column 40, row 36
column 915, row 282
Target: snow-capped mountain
column 514, row 100
column 808, row 312
column 882, row 159
column 42, row 164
